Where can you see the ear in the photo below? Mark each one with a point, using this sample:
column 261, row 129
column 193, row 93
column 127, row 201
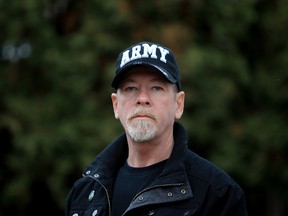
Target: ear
column 115, row 104
column 180, row 98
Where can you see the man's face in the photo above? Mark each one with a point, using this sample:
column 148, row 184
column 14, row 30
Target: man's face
column 146, row 104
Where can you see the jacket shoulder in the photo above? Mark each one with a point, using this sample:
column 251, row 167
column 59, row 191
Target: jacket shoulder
column 215, row 191
column 203, row 172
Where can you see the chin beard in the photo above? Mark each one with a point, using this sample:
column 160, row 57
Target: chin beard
column 141, row 130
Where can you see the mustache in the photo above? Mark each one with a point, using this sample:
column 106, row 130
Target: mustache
column 142, row 112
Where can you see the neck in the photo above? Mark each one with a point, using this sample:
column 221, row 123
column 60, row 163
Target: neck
column 148, row 153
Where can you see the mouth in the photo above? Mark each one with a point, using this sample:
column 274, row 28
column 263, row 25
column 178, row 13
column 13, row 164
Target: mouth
column 142, row 117
column 142, row 114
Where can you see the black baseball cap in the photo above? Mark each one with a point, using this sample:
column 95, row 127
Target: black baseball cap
column 151, row 55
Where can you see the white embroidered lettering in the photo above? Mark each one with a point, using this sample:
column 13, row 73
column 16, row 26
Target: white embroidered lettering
column 147, row 52
column 164, row 52
column 125, row 58
column 151, row 50
column 136, row 52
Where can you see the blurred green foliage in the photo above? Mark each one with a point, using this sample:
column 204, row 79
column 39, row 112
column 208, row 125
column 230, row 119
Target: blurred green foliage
column 55, row 109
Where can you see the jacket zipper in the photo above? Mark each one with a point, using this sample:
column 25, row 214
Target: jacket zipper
column 106, row 191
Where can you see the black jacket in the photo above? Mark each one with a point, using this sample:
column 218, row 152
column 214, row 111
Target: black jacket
column 188, row 185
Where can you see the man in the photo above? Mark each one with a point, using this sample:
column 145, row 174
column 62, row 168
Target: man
column 149, row 170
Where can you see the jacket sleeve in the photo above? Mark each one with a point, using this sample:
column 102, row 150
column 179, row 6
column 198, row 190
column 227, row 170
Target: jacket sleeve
column 226, row 201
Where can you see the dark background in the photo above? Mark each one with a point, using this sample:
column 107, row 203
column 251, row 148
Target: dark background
column 57, row 61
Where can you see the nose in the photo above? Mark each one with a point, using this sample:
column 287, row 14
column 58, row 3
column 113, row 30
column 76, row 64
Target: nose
column 143, row 98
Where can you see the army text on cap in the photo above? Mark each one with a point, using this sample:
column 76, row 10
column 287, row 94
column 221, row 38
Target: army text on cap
column 144, row 51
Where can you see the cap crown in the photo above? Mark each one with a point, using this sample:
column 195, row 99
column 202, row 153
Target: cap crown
column 148, row 54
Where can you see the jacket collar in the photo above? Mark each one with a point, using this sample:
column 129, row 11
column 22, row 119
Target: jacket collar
column 108, row 161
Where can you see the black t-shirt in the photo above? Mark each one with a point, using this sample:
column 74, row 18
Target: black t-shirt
column 129, row 182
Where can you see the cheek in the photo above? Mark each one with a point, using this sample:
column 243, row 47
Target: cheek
column 122, row 112
column 174, row 113
column 166, row 111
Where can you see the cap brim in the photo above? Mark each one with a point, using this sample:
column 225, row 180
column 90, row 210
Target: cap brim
column 162, row 71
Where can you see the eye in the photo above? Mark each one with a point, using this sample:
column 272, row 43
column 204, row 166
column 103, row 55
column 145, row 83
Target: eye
column 130, row 88
column 157, row 88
